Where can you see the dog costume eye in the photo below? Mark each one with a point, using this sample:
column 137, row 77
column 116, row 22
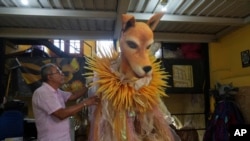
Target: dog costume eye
column 132, row 44
column 148, row 47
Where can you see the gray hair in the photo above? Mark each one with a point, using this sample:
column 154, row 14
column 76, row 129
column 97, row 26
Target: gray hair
column 46, row 70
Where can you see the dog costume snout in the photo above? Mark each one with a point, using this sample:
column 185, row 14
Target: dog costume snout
column 147, row 69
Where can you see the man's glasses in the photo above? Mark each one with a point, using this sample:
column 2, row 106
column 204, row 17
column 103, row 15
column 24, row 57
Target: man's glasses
column 57, row 72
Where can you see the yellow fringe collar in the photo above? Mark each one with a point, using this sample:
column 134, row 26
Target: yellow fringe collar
column 138, row 95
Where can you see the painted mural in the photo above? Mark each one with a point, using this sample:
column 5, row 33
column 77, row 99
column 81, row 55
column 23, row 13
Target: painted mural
column 25, row 74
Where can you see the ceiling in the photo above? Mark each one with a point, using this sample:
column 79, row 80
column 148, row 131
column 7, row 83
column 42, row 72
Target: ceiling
column 184, row 20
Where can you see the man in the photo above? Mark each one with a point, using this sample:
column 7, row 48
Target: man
column 48, row 102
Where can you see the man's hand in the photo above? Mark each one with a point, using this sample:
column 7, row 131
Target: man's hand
column 93, row 100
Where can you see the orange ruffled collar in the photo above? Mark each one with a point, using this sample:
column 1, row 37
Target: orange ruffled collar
column 126, row 95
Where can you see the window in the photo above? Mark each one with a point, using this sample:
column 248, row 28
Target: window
column 104, row 47
column 74, row 46
column 59, row 44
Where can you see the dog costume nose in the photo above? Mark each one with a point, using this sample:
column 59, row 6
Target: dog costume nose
column 147, row 68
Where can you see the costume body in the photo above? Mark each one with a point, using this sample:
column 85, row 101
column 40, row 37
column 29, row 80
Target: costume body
column 225, row 115
column 45, row 101
column 130, row 110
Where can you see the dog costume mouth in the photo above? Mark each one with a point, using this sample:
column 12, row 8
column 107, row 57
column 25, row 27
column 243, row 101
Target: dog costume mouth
column 143, row 76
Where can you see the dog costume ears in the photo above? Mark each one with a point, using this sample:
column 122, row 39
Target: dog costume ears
column 154, row 20
column 129, row 21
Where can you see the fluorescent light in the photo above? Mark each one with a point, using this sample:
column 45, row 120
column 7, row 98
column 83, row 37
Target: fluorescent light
column 164, row 4
column 25, row 2
column 164, row 8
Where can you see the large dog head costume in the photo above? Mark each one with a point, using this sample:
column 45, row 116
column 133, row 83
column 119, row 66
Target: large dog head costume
column 130, row 85
column 135, row 41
